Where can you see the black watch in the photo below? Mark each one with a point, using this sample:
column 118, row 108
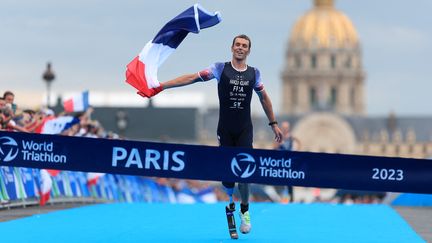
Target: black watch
column 273, row 123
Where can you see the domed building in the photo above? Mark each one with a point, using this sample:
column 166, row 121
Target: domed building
column 324, row 93
column 323, row 69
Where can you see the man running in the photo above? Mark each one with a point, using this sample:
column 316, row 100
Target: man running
column 236, row 80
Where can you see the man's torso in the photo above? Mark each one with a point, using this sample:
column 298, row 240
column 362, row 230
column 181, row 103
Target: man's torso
column 235, row 94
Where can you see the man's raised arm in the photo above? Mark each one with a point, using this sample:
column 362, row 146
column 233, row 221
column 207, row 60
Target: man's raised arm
column 177, row 82
column 181, row 81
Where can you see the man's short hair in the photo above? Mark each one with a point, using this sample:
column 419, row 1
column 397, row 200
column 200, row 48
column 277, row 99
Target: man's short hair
column 7, row 93
column 242, row 36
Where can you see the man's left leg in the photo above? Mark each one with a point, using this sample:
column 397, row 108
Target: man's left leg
column 245, row 225
column 244, row 140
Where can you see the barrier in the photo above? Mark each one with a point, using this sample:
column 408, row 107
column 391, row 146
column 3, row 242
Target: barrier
column 216, row 163
column 74, row 187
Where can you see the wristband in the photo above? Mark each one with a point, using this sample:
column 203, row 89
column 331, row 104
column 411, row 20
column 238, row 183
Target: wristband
column 273, row 123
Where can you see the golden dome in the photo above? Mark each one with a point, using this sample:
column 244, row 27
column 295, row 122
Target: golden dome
column 324, row 26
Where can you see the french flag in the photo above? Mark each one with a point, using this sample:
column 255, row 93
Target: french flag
column 77, row 103
column 141, row 73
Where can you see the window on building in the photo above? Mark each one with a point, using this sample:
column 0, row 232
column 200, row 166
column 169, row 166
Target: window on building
column 333, row 61
column 314, row 61
column 348, row 62
column 383, row 149
column 313, row 99
column 333, row 96
column 297, row 60
column 411, row 149
column 352, row 96
column 397, row 149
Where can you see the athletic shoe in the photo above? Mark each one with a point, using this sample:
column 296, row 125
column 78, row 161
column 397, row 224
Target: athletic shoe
column 245, row 226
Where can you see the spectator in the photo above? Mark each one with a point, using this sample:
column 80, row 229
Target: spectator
column 9, row 97
column 2, row 103
column 6, row 118
column 288, row 143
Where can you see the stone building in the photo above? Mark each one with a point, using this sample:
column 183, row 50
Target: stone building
column 323, row 68
column 324, row 93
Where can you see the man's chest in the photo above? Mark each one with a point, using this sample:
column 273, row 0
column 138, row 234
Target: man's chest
column 235, row 88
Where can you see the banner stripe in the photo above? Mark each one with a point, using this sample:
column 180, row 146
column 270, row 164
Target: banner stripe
column 271, row 167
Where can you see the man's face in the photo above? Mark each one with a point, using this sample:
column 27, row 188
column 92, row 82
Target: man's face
column 9, row 99
column 240, row 49
column 2, row 104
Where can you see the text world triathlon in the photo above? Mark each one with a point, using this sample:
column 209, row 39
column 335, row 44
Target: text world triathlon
column 279, row 168
column 41, row 152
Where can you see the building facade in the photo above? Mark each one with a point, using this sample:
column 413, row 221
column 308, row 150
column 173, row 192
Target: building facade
column 324, row 93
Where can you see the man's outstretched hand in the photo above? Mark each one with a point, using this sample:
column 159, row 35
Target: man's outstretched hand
column 150, row 92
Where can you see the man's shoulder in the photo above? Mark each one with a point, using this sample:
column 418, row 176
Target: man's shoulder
column 220, row 64
column 254, row 68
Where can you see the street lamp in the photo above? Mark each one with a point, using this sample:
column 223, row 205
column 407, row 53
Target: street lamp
column 48, row 77
column 122, row 121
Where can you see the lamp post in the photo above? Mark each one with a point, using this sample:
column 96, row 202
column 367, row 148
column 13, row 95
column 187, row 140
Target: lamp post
column 122, row 121
column 48, row 76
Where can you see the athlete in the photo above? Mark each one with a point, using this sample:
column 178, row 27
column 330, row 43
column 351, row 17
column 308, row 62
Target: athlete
column 236, row 81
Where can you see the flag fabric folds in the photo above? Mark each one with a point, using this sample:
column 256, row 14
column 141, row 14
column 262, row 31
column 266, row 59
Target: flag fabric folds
column 59, row 124
column 77, row 103
column 93, row 177
column 141, row 72
column 46, row 186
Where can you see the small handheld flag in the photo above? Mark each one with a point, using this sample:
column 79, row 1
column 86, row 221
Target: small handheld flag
column 77, row 103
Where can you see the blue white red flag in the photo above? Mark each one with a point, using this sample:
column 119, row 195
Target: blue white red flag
column 141, row 73
column 77, row 103
column 59, row 124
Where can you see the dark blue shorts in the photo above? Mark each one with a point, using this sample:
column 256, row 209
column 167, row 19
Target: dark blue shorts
column 241, row 138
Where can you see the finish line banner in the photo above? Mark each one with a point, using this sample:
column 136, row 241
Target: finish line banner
column 270, row 167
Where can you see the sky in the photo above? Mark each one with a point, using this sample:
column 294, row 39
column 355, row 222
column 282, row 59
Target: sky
column 89, row 43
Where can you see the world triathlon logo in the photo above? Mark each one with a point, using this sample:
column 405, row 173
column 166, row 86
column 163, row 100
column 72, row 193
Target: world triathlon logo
column 243, row 165
column 8, row 149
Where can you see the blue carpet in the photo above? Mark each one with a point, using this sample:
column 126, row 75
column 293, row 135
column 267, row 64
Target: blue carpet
column 207, row 223
column 413, row 199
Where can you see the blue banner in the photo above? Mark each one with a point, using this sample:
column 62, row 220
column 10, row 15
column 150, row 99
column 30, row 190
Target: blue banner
column 74, row 184
column 272, row 167
column 29, row 184
column 10, row 183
